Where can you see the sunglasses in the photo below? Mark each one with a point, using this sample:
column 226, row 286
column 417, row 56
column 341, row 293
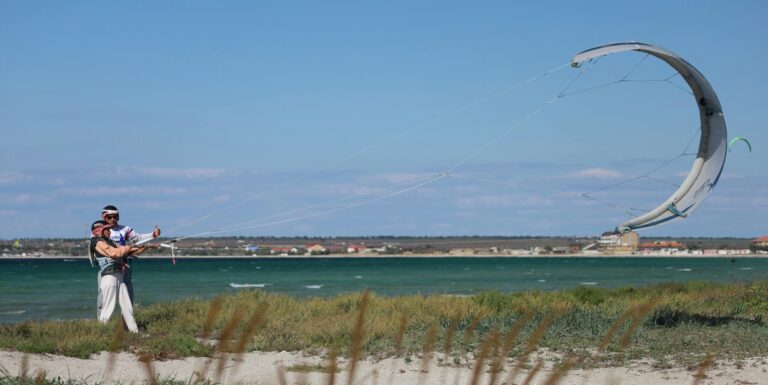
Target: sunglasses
column 111, row 217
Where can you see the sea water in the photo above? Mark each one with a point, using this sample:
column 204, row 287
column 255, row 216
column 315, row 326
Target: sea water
column 45, row 289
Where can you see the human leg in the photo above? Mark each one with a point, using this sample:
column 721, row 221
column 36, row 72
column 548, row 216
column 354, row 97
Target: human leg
column 127, row 275
column 126, row 308
column 99, row 301
column 109, row 288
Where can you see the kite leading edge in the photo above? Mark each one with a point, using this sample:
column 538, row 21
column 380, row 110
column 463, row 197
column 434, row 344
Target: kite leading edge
column 710, row 158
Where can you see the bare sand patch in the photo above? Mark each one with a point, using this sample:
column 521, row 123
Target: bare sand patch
column 296, row 368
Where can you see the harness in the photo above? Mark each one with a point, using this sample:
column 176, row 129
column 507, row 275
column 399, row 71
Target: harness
column 107, row 265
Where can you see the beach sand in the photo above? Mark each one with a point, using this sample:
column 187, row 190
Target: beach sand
column 280, row 368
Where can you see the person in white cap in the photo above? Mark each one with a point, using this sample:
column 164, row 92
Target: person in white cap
column 122, row 236
column 112, row 266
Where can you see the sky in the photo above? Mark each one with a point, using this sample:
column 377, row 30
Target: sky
column 371, row 118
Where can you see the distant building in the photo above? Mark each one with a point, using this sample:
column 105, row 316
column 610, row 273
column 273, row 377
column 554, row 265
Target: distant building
column 463, row 252
column 290, row 250
column 355, row 249
column 760, row 243
column 618, row 243
column 661, row 245
column 316, row 248
column 575, row 248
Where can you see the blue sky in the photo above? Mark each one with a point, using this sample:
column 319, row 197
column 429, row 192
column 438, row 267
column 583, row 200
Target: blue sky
column 330, row 118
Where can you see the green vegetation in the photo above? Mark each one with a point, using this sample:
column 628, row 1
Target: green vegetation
column 673, row 324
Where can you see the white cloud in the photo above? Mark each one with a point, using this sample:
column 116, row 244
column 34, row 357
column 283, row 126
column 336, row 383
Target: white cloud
column 596, row 173
column 23, row 198
column 339, row 190
column 402, row 177
column 188, row 173
column 502, row 201
column 13, row 177
column 125, row 190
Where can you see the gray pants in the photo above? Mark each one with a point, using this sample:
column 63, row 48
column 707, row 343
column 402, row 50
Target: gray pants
column 100, row 298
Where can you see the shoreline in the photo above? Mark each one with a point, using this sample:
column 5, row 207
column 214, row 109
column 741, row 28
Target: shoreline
column 395, row 256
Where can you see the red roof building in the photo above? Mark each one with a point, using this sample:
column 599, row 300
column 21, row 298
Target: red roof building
column 658, row 245
column 761, row 242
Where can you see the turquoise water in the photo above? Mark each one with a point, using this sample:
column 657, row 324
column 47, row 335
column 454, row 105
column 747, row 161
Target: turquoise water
column 66, row 288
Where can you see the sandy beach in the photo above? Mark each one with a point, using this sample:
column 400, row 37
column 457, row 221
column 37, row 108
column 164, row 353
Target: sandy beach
column 296, row 368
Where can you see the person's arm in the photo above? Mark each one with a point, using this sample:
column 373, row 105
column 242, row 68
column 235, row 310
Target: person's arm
column 114, row 252
column 134, row 237
column 142, row 248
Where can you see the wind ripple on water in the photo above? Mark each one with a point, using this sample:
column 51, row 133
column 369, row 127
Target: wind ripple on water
column 247, row 285
column 13, row 312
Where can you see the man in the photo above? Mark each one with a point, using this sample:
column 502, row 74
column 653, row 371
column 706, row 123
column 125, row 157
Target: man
column 111, row 259
column 122, row 236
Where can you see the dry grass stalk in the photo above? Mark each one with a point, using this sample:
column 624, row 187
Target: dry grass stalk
column 398, row 343
column 613, row 329
column 210, row 317
column 228, row 331
column 448, row 344
column 201, row 374
column 332, row 368
column 532, row 342
column 223, row 345
column 467, row 337
column 301, row 380
column 509, row 339
column 245, row 337
column 611, row 332
column 357, row 337
column 281, row 374
column 114, row 347
column 24, row 369
column 400, row 334
column 497, row 360
column 487, row 349
column 40, row 377
column 562, row 371
column 639, row 313
column 449, row 335
column 484, row 352
column 250, row 329
column 471, row 329
column 427, row 350
column 149, row 368
column 536, row 369
column 701, row 372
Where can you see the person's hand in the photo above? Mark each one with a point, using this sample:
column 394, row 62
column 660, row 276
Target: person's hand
column 156, row 233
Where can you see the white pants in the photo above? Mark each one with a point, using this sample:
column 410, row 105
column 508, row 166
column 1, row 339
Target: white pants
column 113, row 289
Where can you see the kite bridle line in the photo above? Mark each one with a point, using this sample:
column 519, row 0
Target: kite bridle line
column 646, row 175
column 354, row 155
column 260, row 222
column 423, row 183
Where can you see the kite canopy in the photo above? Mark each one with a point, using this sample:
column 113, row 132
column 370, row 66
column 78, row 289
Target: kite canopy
column 739, row 138
column 710, row 158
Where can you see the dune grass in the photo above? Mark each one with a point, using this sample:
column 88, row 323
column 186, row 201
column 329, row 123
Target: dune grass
column 670, row 324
